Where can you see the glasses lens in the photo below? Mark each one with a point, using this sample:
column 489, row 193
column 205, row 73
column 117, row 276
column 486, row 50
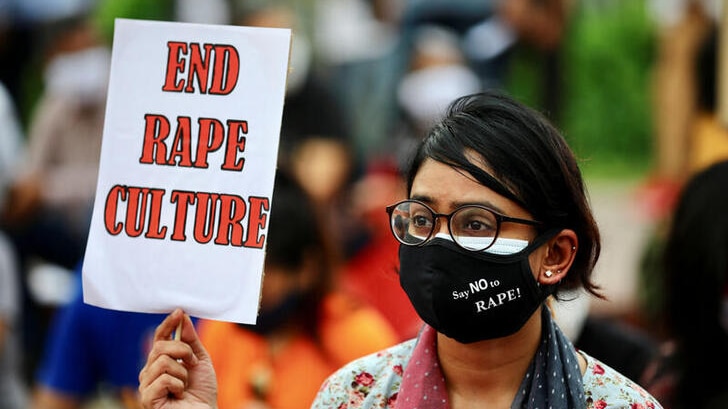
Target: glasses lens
column 412, row 223
column 474, row 228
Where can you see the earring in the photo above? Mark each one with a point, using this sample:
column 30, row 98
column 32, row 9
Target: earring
column 548, row 273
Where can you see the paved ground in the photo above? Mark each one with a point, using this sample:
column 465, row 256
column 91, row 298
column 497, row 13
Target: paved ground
column 624, row 228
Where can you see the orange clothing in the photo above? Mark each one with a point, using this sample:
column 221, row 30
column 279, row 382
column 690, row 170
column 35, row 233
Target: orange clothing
column 710, row 142
column 371, row 275
column 289, row 375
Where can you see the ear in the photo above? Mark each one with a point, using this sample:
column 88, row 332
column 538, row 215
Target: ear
column 557, row 257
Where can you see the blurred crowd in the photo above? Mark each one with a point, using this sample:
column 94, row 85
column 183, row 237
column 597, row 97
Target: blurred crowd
column 367, row 78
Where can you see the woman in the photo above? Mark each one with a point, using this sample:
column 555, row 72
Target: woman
column 690, row 304
column 497, row 220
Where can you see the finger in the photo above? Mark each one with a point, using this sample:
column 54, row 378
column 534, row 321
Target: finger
column 160, row 389
column 167, row 327
column 179, row 351
column 164, row 365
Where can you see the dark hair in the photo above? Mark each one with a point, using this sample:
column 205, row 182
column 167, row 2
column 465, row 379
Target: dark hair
column 696, row 277
column 293, row 228
column 296, row 236
column 530, row 162
column 705, row 72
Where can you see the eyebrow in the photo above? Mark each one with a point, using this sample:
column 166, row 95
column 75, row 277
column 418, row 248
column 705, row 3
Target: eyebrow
column 428, row 200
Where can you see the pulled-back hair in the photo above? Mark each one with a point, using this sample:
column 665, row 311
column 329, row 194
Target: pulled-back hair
column 530, row 162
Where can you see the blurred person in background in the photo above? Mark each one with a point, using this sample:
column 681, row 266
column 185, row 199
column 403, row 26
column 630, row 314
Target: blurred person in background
column 315, row 138
column 50, row 201
column 688, row 281
column 371, row 273
column 48, row 207
column 311, row 108
column 357, row 48
column 539, row 28
column 438, row 72
column 489, row 31
column 13, row 393
column 429, row 67
column 13, row 387
column 92, row 355
column 404, row 59
column 324, row 167
column 683, row 29
column 305, row 329
column 12, row 143
column 22, row 27
column 708, row 132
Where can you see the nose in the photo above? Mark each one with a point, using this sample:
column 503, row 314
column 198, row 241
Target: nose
column 441, row 226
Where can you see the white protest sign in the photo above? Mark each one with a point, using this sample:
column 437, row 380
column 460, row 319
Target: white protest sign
column 187, row 166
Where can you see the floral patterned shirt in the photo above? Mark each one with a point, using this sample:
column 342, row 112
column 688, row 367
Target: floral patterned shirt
column 373, row 381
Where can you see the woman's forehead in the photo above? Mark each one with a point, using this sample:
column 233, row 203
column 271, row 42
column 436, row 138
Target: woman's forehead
column 477, row 159
column 446, row 187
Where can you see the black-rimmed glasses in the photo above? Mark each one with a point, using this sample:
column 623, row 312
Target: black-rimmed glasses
column 472, row 227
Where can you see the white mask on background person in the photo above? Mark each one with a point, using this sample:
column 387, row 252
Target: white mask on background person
column 425, row 94
column 80, row 74
column 438, row 74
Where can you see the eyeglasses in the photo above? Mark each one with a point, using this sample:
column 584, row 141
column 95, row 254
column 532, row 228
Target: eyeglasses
column 472, row 227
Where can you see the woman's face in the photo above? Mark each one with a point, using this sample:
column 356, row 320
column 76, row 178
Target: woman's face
column 444, row 189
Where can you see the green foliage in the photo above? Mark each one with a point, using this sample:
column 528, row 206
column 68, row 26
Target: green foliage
column 108, row 10
column 607, row 58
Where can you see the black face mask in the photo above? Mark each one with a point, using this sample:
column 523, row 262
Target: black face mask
column 471, row 296
column 270, row 319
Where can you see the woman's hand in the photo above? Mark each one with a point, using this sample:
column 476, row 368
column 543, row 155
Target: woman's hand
column 178, row 374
